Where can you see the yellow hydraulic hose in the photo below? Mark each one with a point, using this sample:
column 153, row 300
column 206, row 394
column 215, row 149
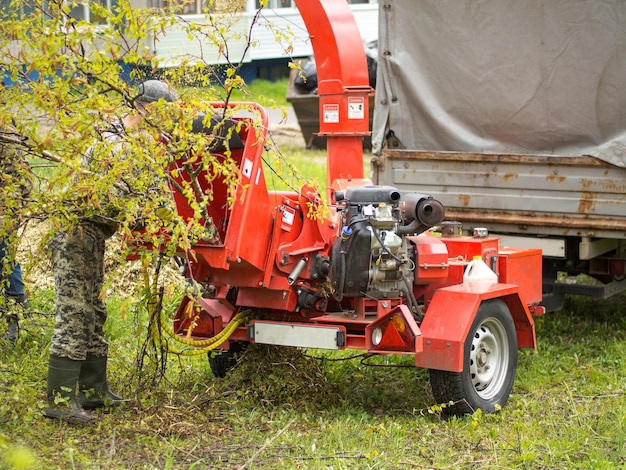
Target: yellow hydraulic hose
column 201, row 346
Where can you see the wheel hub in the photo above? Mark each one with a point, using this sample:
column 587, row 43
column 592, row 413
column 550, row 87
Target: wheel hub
column 482, row 358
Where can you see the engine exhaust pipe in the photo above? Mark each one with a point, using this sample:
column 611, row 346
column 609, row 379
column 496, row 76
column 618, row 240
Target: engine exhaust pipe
column 427, row 210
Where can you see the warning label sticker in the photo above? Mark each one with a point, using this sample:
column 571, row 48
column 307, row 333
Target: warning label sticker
column 289, row 215
column 356, row 108
column 331, row 113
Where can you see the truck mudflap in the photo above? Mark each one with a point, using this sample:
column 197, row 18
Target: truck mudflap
column 450, row 316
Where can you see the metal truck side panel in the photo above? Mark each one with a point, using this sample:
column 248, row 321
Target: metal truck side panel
column 533, row 194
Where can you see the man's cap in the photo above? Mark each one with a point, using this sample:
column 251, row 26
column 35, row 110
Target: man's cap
column 154, row 90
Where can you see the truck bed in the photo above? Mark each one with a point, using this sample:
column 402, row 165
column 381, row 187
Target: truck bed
column 516, row 194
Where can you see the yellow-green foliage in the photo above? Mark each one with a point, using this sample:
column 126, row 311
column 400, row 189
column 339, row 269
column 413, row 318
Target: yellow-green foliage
column 71, row 79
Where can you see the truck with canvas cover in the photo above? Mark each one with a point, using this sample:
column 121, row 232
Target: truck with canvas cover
column 513, row 115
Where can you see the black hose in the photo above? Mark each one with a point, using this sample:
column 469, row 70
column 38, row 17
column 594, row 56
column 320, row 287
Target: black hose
column 412, row 299
column 342, row 276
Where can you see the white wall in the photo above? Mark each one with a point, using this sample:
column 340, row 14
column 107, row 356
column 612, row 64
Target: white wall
column 278, row 33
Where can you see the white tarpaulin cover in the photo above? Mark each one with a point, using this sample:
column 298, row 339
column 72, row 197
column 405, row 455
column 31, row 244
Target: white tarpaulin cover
column 503, row 76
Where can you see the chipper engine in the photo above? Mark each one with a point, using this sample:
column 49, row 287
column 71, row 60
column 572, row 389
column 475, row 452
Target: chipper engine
column 371, row 269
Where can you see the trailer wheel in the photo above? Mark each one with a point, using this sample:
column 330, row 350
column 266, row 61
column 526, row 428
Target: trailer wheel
column 222, row 362
column 490, row 362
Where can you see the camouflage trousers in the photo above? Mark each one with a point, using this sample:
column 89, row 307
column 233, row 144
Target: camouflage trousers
column 78, row 267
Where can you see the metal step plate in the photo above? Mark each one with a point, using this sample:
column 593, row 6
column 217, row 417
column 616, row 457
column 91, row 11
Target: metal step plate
column 298, row 335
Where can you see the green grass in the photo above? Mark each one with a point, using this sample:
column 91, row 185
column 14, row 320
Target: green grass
column 291, row 166
column 284, row 408
column 260, row 89
column 267, row 93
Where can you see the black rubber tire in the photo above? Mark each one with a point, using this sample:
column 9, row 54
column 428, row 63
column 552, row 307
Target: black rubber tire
column 490, row 363
column 222, row 362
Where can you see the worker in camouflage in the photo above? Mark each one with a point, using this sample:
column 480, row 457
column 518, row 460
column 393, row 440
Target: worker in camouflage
column 77, row 369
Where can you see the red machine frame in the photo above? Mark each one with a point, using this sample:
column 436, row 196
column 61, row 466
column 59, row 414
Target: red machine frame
column 272, row 251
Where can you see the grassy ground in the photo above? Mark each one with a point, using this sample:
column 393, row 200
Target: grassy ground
column 284, row 408
column 264, row 92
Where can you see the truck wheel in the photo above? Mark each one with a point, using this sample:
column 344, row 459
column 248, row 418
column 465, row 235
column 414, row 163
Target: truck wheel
column 222, row 362
column 490, row 362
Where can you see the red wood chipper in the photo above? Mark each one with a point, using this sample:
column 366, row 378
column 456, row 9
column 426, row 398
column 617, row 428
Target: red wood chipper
column 370, row 273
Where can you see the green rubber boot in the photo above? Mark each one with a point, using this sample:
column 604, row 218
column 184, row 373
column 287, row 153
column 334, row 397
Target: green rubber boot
column 62, row 400
column 93, row 391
